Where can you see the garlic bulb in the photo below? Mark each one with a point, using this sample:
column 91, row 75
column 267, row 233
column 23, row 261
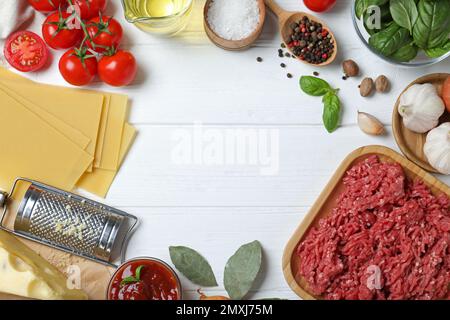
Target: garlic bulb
column 421, row 107
column 437, row 148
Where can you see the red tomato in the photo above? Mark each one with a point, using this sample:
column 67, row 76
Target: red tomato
column 118, row 69
column 446, row 93
column 58, row 33
column 25, row 51
column 319, row 5
column 90, row 8
column 104, row 32
column 46, row 6
column 78, row 68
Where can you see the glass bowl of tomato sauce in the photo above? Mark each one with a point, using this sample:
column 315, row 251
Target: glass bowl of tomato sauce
column 144, row 278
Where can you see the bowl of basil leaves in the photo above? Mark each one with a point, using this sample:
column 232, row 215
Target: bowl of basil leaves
column 410, row 33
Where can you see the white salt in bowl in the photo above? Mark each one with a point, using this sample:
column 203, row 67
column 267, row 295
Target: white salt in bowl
column 234, row 45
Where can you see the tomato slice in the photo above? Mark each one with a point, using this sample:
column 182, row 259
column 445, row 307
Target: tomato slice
column 25, row 51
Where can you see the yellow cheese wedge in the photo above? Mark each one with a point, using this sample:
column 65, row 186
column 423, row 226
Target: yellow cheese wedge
column 99, row 181
column 24, row 273
column 32, row 148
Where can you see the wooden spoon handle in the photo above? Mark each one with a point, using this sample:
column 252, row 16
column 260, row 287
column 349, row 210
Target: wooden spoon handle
column 274, row 7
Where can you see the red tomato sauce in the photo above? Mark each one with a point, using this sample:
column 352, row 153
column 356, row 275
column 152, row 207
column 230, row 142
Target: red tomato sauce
column 156, row 282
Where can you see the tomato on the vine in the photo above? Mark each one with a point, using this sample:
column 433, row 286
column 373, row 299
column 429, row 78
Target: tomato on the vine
column 104, row 33
column 319, row 5
column 58, row 33
column 118, row 69
column 90, row 8
column 78, row 67
column 46, row 6
column 25, row 51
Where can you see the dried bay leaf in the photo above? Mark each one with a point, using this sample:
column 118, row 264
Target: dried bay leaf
column 242, row 269
column 193, row 266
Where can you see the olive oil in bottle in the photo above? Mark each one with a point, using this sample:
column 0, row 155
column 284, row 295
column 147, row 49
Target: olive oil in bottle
column 162, row 8
column 158, row 16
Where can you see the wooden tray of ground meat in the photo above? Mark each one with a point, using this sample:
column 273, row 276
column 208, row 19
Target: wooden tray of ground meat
column 380, row 230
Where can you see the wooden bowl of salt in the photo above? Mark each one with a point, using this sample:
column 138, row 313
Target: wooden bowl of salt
column 234, row 24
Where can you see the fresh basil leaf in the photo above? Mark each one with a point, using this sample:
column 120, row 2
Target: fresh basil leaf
column 128, row 280
column 404, row 13
column 406, row 53
column 374, row 23
column 314, row 86
column 438, row 52
column 241, row 270
column 331, row 111
column 389, row 40
column 433, row 24
column 360, row 8
column 138, row 272
column 193, row 266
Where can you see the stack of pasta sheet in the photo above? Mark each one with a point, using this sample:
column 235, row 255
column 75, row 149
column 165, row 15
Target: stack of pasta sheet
column 65, row 137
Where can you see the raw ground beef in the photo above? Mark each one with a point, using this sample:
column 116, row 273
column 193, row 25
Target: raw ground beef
column 383, row 227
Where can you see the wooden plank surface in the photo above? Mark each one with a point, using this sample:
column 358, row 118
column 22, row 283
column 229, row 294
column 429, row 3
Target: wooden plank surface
column 186, row 80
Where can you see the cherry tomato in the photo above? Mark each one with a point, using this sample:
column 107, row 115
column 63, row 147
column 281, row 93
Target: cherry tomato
column 58, row 32
column 90, row 8
column 46, row 6
column 104, row 32
column 118, row 69
column 77, row 67
column 25, row 51
column 319, row 5
column 446, row 93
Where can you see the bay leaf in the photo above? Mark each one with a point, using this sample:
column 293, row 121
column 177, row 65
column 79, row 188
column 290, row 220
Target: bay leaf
column 242, row 269
column 193, row 266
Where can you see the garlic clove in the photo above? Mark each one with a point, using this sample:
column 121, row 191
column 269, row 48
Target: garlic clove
column 369, row 124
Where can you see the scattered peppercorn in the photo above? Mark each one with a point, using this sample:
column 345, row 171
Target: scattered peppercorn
column 283, row 65
column 289, row 75
column 316, row 73
column 280, row 53
column 344, row 78
column 287, row 55
column 283, row 45
column 259, row 59
column 311, row 42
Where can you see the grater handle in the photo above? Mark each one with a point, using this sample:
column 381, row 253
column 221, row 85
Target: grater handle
column 128, row 235
column 4, row 198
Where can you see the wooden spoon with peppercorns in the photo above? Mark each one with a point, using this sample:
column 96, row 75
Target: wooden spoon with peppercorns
column 305, row 36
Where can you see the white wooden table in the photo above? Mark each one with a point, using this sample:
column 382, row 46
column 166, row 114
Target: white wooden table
column 216, row 208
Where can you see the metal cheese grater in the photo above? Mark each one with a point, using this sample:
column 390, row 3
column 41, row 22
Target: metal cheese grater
column 70, row 222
